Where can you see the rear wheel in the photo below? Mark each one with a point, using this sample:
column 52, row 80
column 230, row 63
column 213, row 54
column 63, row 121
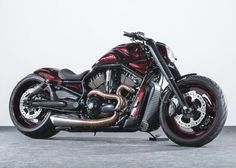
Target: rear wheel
column 33, row 122
column 206, row 119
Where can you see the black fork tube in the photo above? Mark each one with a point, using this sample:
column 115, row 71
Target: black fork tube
column 167, row 73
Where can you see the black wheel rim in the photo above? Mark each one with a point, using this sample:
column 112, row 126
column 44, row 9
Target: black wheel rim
column 18, row 118
column 207, row 121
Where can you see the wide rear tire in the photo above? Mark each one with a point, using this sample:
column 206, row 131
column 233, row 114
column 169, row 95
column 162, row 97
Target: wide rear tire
column 41, row 129
column 209, row 127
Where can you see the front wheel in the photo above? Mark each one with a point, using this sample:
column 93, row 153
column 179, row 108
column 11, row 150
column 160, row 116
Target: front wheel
column 207, row 118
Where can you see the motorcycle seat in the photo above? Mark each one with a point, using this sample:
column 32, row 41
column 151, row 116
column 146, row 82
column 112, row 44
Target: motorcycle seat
column 66, row 74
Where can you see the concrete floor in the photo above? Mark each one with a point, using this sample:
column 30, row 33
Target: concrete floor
column 112, row 150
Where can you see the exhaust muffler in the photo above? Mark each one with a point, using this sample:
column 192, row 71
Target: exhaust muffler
column 66, row 121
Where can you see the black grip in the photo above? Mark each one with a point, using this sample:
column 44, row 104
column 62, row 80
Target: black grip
column 129, row 34
column 136, row 36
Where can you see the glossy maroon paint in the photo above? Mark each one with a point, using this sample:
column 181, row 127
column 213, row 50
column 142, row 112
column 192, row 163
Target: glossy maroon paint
column 49, row 73
column 52, row 75
column 140, row 66
column 122, row 49
column 137, row 104
column 131, row 54
column 196, row 131
column 108, row 58
column 131, row 50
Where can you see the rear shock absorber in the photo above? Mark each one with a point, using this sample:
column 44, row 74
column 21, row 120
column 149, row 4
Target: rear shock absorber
column 37, row 89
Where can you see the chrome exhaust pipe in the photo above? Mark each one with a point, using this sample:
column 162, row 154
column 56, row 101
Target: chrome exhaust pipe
column 124, row 87
column 67, row 121
column 119, row 99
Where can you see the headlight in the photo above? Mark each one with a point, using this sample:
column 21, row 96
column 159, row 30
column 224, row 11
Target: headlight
column 170, row 54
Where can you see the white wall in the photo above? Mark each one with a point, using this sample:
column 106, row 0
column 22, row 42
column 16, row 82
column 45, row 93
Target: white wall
column 74, row 34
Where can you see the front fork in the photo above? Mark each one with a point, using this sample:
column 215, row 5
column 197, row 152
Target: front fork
column 168, row 75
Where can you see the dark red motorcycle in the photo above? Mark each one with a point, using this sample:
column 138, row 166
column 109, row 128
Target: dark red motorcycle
column 122, row 93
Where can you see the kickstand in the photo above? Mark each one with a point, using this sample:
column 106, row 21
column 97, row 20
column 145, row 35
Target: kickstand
column 156, row 137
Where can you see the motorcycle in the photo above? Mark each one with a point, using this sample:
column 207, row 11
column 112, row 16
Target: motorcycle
column 123, row 92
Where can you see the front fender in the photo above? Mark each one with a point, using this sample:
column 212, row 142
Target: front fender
column 178, row 79
column 185, row 76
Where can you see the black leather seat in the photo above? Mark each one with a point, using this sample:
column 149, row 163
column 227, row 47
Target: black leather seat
column 66, row 74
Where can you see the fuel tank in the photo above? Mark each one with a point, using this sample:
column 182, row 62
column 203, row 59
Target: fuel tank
column 132, row 55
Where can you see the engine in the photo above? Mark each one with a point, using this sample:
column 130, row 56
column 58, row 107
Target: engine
column 98, row 109
column 99, row 80
column 130, row 79
column 111, row 83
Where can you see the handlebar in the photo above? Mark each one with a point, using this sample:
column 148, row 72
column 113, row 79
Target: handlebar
column 136, row 36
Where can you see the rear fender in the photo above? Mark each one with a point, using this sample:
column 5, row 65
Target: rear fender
column 51, row 74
